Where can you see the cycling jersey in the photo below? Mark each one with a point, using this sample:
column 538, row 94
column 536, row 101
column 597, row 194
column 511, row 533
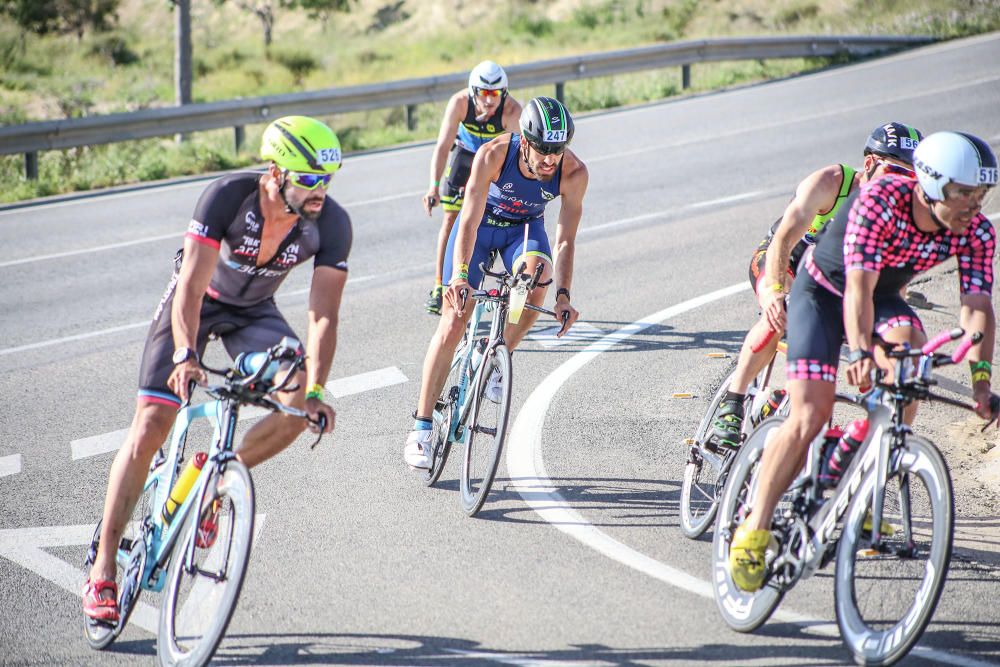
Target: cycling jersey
column 472, row 134
column 757, row 261
column 229, row 210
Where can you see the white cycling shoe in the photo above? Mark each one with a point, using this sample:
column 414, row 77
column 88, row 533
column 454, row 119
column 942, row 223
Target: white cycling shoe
column 494, row 390
column 418, row 449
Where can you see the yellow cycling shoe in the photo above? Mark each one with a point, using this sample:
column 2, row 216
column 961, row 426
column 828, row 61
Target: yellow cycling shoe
column 886, row 530
column 747, row 565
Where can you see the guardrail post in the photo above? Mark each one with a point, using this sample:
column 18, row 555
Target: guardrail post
column 239, row 135
column 31, row 165
column 685, row 76
column 561, row 91
column 411, row 117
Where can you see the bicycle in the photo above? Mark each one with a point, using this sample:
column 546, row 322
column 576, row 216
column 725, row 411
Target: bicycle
column 708, row 465
column 885, row 527
column 206, row 571
column 463, row 414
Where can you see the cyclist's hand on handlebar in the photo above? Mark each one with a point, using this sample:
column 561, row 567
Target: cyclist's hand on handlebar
column 431, row 199
column 183, row 375
column 317, row 411
column 987, row 403
column 860, row 372
column 457, row 294
column 566, row 315
column 774, row 309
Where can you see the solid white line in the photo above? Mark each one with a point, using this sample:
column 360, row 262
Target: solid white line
column 10, row 465
column 70, row 339
column 83, row 251
column 356, row 384
column 526, row 465
column 677, row 210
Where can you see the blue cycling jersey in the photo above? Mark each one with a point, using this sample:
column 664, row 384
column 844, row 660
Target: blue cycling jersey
column 514, row 199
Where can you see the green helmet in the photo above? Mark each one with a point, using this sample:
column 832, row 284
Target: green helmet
column 300, row 143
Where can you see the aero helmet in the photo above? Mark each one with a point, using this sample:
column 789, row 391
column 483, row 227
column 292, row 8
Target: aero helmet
column 953, row 157
column 303, row 144
column 546, row 125
column 894, row 140
column 487, row 75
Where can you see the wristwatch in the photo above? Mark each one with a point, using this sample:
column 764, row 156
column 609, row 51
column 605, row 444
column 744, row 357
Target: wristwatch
column 854, row 356
column 563, row 290
column 183, row 354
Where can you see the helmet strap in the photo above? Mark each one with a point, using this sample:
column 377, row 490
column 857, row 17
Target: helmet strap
column 524, row 155
column 281, row 190
column 930, row 209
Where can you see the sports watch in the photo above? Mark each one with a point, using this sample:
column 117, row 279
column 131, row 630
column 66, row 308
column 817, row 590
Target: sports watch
column 183, row 354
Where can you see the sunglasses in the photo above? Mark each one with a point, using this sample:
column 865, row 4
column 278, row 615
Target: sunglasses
column 556, row 149
column 890, row 168
column 483, row 92
column 309, row 181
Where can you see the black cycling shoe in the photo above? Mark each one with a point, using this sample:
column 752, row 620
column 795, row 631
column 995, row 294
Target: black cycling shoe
column 727, row 427
column 433, row 303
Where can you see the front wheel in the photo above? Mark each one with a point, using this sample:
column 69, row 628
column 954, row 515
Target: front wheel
column 444, row 412
column 885, row 594
column 201, row 594
column 742, row 611
column 486, row 430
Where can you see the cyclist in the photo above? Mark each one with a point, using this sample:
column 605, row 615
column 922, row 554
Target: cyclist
column 474, row 116
column 247, row 232
column 818, row 198
column 513, row 178
column 894, row 228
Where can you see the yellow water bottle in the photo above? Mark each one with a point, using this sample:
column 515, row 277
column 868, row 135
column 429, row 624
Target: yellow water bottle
column 183, row 486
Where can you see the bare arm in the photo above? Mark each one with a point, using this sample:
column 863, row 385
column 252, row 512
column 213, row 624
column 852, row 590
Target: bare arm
column 859, row 321
column 185, row 314
column 511, row 115
column 446, row 137
column 321, row 343
column 572, row 189
column 977, row 315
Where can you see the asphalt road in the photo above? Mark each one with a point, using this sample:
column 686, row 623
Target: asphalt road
column 576, row 559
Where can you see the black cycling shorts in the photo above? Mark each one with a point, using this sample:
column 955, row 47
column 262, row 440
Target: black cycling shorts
column 456, row 176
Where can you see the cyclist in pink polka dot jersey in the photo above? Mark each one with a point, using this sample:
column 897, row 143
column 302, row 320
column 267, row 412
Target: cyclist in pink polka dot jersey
column 894, row 228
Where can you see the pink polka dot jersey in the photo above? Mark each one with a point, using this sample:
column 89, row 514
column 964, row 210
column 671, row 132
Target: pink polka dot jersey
column 877, row 233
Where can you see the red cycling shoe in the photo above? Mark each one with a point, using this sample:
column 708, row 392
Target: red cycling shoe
column 208, row 529
column 96, row 607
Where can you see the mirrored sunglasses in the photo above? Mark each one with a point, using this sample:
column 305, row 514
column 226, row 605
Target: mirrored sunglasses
column 483, row 92
column 548, row 149
column 309, row 181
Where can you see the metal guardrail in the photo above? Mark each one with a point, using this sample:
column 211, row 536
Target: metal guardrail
column 56, row 134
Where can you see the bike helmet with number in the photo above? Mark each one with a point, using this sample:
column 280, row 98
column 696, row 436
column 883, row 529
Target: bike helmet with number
column 953, row 157
column 487, row 75
column 302, row 144
column 894, row 140
column 546, row 125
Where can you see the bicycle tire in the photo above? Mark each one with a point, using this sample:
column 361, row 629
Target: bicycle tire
column 235, row 493
column 482, row 454
column 874, row 633
column 742, row 611
column 444, row 412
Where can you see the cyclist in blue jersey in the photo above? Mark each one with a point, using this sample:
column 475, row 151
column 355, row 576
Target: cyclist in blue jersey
column 513, row 178
column 474, row 116
column 248, row 231
column 818, row 198
column 894, row 228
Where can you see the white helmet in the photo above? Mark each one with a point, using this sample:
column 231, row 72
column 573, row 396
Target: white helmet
column 953, row 157
column 487, row 75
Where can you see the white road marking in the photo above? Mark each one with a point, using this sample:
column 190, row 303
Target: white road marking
column 355, row 384
column 26, row 547
column 110, row 246
column 10, row 465
column 581, row 332
column 70, row 339
column 526, row 464
column 95, row 445
column 676, row 210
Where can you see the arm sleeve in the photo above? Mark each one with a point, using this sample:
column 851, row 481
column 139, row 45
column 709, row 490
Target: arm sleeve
column 975, row 259
column 336, row 236
column 217, row 208
column 866, row 231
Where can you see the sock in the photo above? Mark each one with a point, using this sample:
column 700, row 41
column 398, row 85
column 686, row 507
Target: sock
column 422, row 424
column 733, row 397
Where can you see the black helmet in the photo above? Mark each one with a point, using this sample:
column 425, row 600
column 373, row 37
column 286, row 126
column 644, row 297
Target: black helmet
column 894, row 140
column 546, row 125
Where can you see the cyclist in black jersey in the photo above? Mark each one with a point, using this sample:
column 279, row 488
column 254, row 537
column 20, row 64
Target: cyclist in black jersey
column 473, row 117
column 818, row 198
column 247, row 233
column 894, row 228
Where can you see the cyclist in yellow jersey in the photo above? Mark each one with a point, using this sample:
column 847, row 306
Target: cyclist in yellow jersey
column 474, row 116
column 817, row 199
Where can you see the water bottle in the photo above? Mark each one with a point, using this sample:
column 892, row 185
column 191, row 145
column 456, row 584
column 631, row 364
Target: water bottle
column 835, row 462
column 518, row 297
column 183, row 486
column 771, row 405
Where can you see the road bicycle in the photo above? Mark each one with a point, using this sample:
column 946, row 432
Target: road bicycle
column 893, row 504
column 195, row 552
column 464, row 414
column 708, row 465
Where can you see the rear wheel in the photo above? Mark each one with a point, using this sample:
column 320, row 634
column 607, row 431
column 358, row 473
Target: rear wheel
column 885, row 595
column 486, row 430
column 201, row 595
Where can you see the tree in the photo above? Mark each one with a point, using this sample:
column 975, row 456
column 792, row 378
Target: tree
column 266, row 12
column 62, row 16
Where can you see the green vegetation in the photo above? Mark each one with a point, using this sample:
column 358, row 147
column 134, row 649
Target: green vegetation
column 122, row 60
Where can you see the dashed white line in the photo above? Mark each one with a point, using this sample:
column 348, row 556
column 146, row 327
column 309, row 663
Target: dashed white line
column 582, row 332
column 355, row 384
column 83, row 251
column 10, row 465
